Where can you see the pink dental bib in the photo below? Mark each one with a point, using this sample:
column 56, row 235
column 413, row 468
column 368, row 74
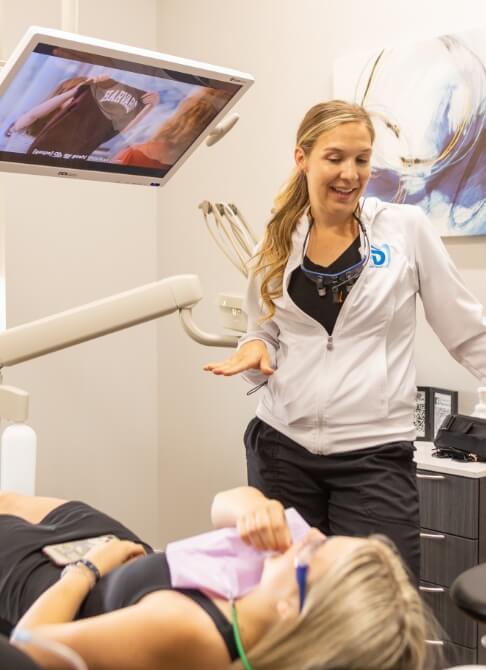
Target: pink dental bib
column 219, row 561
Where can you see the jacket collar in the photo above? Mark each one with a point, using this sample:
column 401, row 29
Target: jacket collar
column 370, row 208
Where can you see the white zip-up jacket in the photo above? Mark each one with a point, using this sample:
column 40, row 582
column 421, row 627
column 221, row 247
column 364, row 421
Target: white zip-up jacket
column 357, row 388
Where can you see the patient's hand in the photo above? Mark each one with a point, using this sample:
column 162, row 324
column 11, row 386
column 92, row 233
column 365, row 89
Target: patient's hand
column 113, row 553
column 265, row 527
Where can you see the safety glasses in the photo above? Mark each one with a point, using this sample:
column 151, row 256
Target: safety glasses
column 335, row 280
column 301, row 562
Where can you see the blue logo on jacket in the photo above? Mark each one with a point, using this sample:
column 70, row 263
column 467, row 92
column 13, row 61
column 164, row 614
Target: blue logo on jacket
column 380, row 256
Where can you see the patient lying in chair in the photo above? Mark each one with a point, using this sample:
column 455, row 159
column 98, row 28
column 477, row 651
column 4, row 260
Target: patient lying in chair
column 295, row 600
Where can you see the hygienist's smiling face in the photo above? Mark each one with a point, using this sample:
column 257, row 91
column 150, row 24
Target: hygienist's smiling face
column 337, row 170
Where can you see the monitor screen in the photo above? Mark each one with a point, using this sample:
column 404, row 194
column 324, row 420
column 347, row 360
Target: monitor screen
column 73, row 106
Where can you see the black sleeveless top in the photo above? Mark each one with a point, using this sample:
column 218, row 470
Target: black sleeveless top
column 128, row 584
column 26, row 572
column 303, row 290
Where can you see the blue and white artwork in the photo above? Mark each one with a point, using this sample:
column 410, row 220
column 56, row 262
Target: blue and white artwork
column 427, row 101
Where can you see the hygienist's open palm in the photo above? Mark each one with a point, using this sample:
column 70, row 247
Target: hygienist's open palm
column 252, row 355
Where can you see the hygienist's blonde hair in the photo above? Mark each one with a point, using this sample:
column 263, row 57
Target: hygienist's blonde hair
column 363, row 614
column 293, row 200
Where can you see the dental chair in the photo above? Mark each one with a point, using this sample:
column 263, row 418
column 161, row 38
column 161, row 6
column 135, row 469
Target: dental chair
column 468, row 592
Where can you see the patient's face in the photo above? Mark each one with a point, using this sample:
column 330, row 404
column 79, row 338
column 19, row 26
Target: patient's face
column 333, row 549
column 279, row 576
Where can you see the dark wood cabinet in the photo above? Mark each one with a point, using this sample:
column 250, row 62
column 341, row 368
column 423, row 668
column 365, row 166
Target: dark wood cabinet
column 449, row 503
column 452, row 539
column 444, row 556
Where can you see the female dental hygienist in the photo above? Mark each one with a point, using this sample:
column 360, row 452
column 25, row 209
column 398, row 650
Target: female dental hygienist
column 331, row 326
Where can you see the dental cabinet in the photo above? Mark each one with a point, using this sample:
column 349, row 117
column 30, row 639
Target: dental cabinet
column 452, row 539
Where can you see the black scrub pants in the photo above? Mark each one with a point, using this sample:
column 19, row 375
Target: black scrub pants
column 356, row 493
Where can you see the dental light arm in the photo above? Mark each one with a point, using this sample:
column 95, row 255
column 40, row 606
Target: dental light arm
column 200, row 336
column 108, row 315
column 30, row 340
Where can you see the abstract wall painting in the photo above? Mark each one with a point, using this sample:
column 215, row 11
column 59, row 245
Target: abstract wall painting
column 428, row 101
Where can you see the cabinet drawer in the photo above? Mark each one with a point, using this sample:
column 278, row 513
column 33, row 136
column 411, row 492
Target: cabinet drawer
column 460, row 628
column 444, row 654
column 448, row 504
column 443, row 557
column 454, row 654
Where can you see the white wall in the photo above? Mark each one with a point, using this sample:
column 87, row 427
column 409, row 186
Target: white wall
column 93, row 406
column 289, row 47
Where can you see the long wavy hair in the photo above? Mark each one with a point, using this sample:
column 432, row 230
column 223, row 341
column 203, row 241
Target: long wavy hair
column 293, row 199
column 362, row 614
column 193, row 114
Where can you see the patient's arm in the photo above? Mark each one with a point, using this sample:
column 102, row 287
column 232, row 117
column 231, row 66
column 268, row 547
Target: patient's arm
column 165, row 631
column 61, row 601
column 124, row 639
column 229, row 505
column 260, row 521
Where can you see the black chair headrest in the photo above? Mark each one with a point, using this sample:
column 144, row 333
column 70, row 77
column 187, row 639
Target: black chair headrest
column 468, row 591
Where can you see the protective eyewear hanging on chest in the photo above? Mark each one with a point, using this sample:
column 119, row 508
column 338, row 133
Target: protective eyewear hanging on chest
column 336, row 282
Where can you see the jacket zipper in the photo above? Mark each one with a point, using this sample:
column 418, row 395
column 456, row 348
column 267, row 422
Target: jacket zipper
column 321, row 421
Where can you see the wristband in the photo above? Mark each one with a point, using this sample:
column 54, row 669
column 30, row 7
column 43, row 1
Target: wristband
column 90, row 566
column 87, row 564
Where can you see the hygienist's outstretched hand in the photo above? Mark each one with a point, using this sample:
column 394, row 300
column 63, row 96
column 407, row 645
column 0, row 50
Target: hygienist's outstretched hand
column 252, row 355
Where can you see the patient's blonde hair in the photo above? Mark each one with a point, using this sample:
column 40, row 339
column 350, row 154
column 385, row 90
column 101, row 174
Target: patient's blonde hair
column 363, row 614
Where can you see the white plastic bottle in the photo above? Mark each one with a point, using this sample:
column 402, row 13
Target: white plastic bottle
column 18, row 458
column 480, row 409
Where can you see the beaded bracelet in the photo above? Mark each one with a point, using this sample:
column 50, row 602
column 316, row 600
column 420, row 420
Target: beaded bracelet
column 236, row 633
column 87, row 564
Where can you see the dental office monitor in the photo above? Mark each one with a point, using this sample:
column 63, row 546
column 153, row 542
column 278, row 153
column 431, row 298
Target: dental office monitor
column 74, row 106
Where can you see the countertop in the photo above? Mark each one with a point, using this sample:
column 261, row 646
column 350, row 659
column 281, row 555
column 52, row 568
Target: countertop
column 425, row 461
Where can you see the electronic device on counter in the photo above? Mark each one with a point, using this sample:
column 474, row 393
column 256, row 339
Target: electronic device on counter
column 80, row 107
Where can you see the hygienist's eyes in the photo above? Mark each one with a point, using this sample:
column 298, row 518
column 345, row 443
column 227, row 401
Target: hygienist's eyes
column 338, row 159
